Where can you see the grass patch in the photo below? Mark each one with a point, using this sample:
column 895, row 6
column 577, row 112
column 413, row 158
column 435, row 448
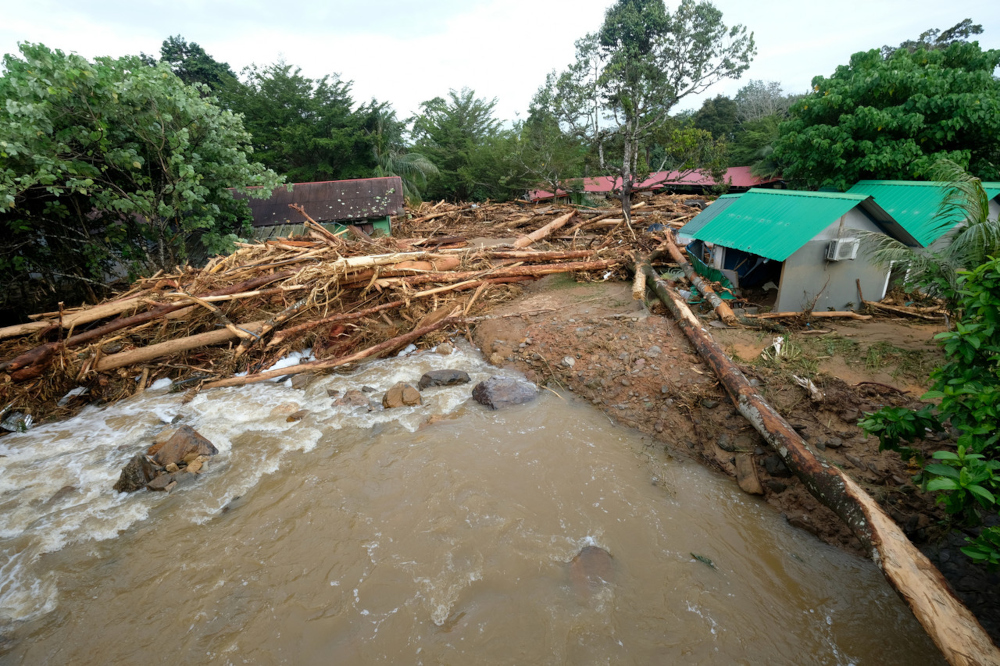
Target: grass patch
column 906, row 361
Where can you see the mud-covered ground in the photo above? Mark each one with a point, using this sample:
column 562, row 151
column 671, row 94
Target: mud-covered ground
column 635, row 364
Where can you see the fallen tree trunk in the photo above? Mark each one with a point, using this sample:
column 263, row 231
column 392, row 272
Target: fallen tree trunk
column 559, row 222
column 73, row 319
column 725, row 312
column 953, row 628
column 143, row 354
column 313, row 366
column 545, row 269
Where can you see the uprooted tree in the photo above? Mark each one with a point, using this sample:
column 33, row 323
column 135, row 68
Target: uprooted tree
column 112, row 167
column 630, row 74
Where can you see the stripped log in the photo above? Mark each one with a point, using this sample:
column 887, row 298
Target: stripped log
column 537, row 271
column 952, row 627
column 73, row 319
column 838, row 314
column 313, row 366
column 722, row 309
column 143, row 354
column 639, row 286
column 558, row 223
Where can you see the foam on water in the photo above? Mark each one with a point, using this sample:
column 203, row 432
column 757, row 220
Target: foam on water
column 55, row 481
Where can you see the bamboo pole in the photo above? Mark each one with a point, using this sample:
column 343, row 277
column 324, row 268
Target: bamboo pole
column 952, row 627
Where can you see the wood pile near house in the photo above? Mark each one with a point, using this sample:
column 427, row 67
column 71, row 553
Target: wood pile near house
column 346, row 300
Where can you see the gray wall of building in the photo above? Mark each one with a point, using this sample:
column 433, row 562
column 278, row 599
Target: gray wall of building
column 807, row 272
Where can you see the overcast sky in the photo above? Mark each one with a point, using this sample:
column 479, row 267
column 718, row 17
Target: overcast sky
column 405, row 51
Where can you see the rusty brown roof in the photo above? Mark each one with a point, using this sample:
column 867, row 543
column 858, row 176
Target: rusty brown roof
column 330, row 201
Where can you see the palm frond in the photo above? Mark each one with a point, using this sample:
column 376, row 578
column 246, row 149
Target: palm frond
column 965, row 199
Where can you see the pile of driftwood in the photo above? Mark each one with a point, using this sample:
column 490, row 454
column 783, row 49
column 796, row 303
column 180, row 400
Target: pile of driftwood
column 230, row 321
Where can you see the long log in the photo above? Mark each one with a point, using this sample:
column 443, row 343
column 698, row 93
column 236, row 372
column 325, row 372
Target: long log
column 725, row 312
column 838, row 314
column 39, row 356
column 952, row 627
column 143, row 354
column 545, row 269
column 73, row 319
column 313, row 366
column 559, row 222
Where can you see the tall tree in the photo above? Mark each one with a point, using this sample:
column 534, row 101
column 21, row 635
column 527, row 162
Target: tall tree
column 306, row 129
column 192, row 64
column 718, row 117
column 760, row 99
column 110, row 164
column 893, row 118
column 449, row 132
column 935, row 38
column 630, row 74
column 549, row 154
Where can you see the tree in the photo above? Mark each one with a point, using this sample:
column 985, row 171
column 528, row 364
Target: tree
column 718, row 116
column 548, row 154
column 761, row 99
column 893, row 118
column 636, row 68
column 112, row 164
column 306, row 129
column 393, row 159
column 936, row 39
column 192, row 64
column 449, row 132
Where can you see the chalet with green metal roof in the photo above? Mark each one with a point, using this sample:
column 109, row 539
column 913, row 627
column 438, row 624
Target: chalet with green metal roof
column 805, row 243
column 915, row 205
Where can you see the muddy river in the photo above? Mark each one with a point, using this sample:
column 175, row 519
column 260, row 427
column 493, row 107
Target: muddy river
column 357, row 537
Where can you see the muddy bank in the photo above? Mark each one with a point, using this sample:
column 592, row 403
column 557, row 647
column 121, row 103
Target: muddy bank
column 636, row 365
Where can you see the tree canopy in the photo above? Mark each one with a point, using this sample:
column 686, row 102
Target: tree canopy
column 894, row 117
column 113, row 164
column 192, row 64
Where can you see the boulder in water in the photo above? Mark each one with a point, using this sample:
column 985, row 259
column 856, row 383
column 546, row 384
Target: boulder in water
column 353, row 398
column 135, row 474
column 184, row 441
column 443, row 378
column 591, row 568
column 401, row 394
column 500, row 392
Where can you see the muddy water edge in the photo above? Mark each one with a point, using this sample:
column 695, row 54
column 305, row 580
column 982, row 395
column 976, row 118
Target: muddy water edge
column 443, row 533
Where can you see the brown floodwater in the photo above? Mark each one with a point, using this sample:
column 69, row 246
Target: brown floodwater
column 354, row 538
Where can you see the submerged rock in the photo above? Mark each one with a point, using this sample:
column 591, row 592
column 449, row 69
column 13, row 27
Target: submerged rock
column 353, row 398
column 401, row 394
column 590, row 568
column 500, row 392
column 184, row 441
column 444, row 349
column 135, row 474
column 443, row 378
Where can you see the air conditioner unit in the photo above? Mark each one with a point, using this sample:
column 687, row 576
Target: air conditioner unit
column 842, row 249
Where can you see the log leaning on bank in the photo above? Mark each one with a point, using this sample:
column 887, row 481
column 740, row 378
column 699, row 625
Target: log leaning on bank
column 725, row 312
column 952, row 627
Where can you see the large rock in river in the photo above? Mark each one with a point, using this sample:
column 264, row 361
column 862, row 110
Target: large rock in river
column 591, row 568
column 183, row 442
column 443, row 378
column 135, row 474
column 401, row 394
column 499, row 392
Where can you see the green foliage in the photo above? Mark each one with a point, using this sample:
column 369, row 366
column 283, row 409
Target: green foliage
column 113, row 165
column 462, row 138
column 894, row 117
column 547, row 152
column 393, row 159
column 718, row 116
column 968, row 387
column 936, row 39
column 306, row 129
column 192, row 64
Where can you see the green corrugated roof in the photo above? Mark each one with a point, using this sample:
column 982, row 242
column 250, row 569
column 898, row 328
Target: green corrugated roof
column 709, row 214
column 915, row 204
column 776, row 223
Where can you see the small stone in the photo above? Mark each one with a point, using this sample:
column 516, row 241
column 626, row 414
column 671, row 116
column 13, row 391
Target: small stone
column 297, row 416
column 444, row 349
column 191, row 457
column 301, row 381
column 658, row 426
column 726, row 443
column 496, row 359
column 172, row 467
column 196, row 466
column 775, row 466
column 401, row 394
column 834, row 442
column 664, row 389
column 170, row 486
column 654, row 351
column 820, row 444
column 161, row 482
column 854, row 460
column 625, row 382
column 184, row 441
column 776, row 486
column 353, row 398
column 569, row 361
column 367, row 389
column 498, row 392
column 333, row 393
column 135, row 474
column 639, row 363
column 443, row 378
column 709, row 404
column 285, row 408
column 623, row 356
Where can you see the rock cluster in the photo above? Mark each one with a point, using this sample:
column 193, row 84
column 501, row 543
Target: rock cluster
column 177, row 454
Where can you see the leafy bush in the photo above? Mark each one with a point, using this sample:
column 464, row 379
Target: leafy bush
column 968, row 386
